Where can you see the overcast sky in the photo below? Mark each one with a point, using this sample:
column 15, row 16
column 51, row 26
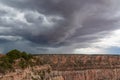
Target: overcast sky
column 60, row 26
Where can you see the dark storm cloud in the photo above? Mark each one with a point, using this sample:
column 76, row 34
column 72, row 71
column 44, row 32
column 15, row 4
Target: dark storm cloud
column 56, row 23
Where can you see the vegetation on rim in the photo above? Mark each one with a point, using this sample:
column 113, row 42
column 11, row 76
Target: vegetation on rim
column 15, row 58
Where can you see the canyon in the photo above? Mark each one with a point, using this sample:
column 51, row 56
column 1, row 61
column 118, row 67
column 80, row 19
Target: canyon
column 69, row 67
column 83, row 67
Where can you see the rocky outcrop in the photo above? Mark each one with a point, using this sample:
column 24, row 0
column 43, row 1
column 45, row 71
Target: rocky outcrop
column 30, row 73
column 92, row 74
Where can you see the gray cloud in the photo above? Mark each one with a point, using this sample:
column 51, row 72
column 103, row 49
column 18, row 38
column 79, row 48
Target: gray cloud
column 57, row 23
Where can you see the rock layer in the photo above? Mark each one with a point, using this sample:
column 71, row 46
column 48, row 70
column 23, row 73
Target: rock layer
column 92, row 74
column 31, row 73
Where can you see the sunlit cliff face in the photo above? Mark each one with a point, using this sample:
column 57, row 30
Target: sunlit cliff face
column 60, row 26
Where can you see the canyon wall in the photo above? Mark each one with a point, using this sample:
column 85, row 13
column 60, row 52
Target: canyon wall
column 83, row 67
column 70, row 67
column 92, row 74
column 75, row 62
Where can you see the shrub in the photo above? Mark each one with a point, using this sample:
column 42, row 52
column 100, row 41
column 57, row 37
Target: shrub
column 14, row 54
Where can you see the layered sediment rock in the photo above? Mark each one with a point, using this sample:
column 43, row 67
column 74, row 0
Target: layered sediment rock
column 31, row 73
column 75, row 62
column 85, row 67
column 92, row 74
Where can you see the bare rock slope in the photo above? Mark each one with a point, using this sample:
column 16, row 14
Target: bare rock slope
column 30, row 73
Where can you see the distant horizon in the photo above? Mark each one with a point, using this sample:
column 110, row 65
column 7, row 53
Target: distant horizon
column 68, row 53
column 89, row 54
